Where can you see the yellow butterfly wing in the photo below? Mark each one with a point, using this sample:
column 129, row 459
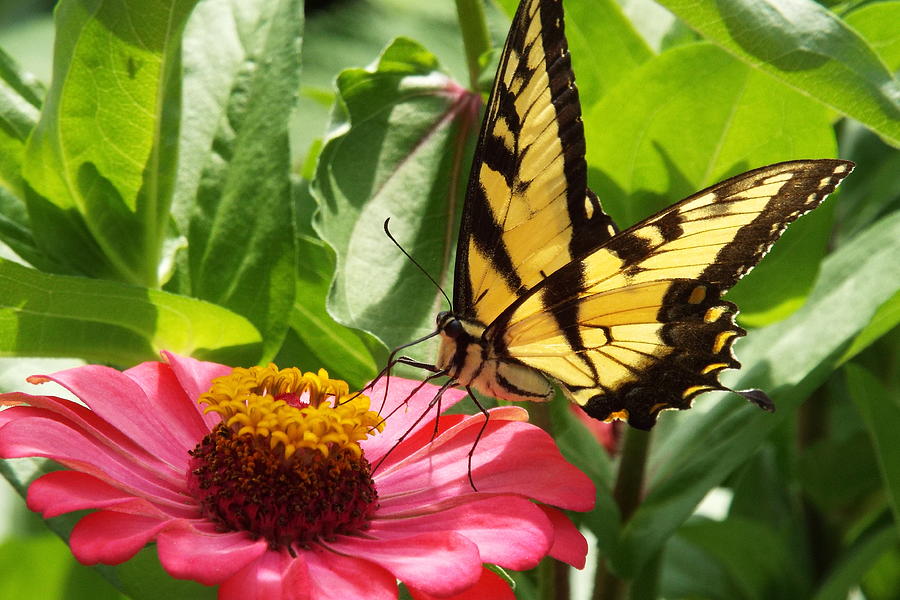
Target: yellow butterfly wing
column 528, row 210
column 638, row 325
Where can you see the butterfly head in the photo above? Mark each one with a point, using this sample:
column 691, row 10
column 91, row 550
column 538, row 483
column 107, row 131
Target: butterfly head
column 448, row 325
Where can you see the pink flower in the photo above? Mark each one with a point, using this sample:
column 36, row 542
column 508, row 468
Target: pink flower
column 343, row 516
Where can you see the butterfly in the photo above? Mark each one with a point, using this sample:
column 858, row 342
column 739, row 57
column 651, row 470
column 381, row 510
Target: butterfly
column 546, row 289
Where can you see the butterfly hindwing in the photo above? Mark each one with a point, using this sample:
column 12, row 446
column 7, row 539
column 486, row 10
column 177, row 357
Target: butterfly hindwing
column 528, row 210
column 638, row 325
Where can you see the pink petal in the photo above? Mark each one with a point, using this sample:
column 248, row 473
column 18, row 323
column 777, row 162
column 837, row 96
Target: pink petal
column 195, row 377
column 62, row 492
column 509, row 531
column 206, row 556
column 121, row 402
column 490, row 586
column 401, row 418
column 182, row 417
column 511, row 458
column 445, row 423
column 45, row 437
column 272, row 576
column 111, row 537
column 337, row 577
column 439, row 563
column 569, row 545
column 81, row 418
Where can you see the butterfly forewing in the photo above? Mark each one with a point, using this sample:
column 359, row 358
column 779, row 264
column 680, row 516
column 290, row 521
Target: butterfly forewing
column 528, row 211
column 638, row 324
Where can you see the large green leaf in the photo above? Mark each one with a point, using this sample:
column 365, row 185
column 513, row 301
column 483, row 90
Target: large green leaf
column 881, row 413
column 802, row 44
column 234, row 204
column 877, row 23
column 110, row 322
column 789, row 360
column 399, row 148
column 666, row 133
column 101, row 160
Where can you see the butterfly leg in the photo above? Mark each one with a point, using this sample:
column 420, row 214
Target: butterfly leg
column 431, row 404
column 480, row 433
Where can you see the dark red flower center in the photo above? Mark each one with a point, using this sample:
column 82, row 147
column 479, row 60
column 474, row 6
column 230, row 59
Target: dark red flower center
column 243, row 485
column 285, row 464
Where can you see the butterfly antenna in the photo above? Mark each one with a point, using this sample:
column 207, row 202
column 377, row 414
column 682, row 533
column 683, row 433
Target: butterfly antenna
column 428, row 275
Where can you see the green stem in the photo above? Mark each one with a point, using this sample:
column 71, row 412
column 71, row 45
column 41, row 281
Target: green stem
column 475, row 35
column 630, row 478
column 627, row 494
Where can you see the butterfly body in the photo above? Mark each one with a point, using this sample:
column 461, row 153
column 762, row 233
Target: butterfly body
column 545, row 289
column 468, row 356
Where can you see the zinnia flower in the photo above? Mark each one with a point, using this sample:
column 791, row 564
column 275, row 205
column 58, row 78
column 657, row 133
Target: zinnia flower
column 278, row 484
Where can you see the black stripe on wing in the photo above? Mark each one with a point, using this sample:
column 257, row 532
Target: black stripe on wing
column 589, row 224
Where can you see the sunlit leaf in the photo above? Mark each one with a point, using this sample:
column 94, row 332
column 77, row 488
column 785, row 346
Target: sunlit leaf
column 234, row 203
column 877, row 23
column 802, row 44
column 109, row 322
column 101, row 160
column 399, row 148
column 667, row 133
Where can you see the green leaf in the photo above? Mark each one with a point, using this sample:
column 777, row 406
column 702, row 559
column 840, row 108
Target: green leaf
column 854, row 563
column 101, row 160
column 837, row 473
column 877, row 23
column 109, row 322
column 882, row 580
column 666, row 133
column 44, row 568
column 884, row 320
column 802, row 44
column 874, row 189
column 788, row 360
column 759, row 565
column 690, row 572
column 600, row 67
column 881, row 413
column 234, row 204
column 19, row 109
column 317, row 340
column 399, row 149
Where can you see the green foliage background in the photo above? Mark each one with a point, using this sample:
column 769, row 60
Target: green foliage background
column 214, row 181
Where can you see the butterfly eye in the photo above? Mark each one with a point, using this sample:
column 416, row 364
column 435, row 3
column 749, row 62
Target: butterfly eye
column 453, row 329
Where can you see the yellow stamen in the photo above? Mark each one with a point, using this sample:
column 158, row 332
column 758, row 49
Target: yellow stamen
column 292, row 409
